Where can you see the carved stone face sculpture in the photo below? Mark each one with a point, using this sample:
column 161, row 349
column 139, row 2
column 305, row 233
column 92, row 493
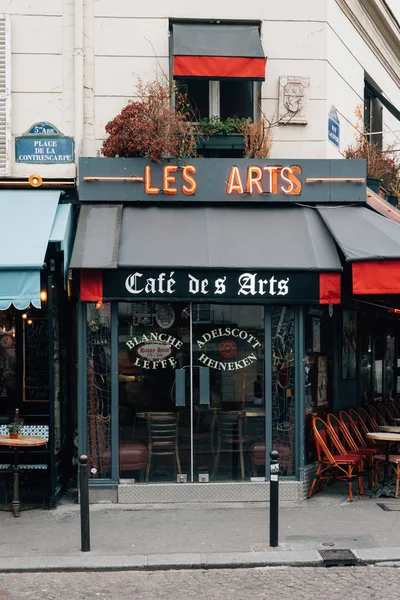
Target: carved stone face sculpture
column 293, row 99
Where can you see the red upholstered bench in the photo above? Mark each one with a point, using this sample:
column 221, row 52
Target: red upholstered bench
column 258, row 455
column 133, row 456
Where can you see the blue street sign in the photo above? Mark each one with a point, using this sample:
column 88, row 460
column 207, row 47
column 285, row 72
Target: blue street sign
column 334, row 127
column 44, row 143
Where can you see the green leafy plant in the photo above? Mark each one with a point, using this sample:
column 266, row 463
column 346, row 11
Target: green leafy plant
column 215, row 126
column 14, row 427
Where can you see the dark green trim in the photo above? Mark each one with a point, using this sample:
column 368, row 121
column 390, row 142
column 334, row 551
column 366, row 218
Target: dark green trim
column 82, row 371
column 299, row 392
column 102, row 484
column 268, row 388
column 233, row 141
column 114, row 394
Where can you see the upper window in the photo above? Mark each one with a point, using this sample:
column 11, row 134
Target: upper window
column 225, row 98
column 372, row 116
column 218, row 66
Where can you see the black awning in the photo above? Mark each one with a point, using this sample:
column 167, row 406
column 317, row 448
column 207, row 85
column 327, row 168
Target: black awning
column 234, row 238
column 371, row 242
column 97, row 238
column 283, row 254
column 218, row 51
column 362, row 234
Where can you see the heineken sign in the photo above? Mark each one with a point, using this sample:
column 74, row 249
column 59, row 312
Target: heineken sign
column 200, row 285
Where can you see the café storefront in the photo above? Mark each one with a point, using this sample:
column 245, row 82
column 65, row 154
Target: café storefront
column 209, row 307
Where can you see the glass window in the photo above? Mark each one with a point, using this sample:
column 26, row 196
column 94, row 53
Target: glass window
column 283, row 386
column 236, row 99
column 98, row 348
column 318, row 376
column 197, row 92
column 390, row 364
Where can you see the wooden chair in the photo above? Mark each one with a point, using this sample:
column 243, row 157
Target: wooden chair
column 230, row 428
column 337, row 464
column 163, row 438
column 383, row 413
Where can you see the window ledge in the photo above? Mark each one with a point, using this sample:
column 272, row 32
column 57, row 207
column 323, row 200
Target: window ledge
column 231, row 141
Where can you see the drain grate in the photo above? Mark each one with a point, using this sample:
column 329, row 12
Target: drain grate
column 390, row 507
column 338, row 558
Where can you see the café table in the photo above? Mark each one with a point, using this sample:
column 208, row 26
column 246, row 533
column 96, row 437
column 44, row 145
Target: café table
column 388, row 437
column 22, row 441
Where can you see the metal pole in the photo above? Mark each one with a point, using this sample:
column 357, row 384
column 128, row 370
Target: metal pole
column 274, row 500
column 84, row 501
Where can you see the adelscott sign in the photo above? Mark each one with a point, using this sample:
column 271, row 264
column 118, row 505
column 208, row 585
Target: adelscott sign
column 268, row 286
column 222, row 180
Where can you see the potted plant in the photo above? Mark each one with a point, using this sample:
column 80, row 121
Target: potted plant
column 14, row 428
column 382, row 166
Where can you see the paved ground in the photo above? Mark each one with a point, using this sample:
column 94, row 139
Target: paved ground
column 133, row 530
column 350, row 583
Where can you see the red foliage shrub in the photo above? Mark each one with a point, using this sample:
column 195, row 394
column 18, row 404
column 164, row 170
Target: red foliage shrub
column 150, row 127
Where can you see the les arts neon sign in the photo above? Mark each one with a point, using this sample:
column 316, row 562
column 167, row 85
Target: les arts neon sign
column 269, row 179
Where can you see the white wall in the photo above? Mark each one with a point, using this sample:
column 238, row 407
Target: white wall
column 126, row 39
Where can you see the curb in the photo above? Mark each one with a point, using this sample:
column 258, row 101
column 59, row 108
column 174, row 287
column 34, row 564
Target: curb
column 163, row 562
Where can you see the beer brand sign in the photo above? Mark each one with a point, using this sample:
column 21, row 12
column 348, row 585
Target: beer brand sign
column 227, row 348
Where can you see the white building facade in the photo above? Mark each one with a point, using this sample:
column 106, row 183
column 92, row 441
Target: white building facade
column 76, row 64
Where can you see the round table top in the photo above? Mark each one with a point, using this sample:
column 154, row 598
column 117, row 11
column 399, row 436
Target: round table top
column 22, row 440
column 381, row 436
column 389, row 428
column 397, row 419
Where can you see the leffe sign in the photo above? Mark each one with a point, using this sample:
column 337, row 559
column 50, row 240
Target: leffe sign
column 269, row 286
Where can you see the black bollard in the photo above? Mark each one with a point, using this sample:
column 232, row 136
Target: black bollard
column 84, row 501
column 274, row 500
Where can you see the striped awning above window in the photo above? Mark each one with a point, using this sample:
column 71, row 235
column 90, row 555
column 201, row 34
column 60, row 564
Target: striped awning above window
column 214, row 51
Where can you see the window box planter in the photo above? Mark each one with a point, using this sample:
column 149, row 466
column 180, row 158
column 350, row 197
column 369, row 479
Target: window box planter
column 231, row 141
column 374, row 184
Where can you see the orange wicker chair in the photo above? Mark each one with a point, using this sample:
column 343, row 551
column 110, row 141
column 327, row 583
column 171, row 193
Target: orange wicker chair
column 356, row 443
column 337, row 464
column 367, row 422
column 374, row 414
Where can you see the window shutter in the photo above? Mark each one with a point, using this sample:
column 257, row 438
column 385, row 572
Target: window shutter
column 5, row 95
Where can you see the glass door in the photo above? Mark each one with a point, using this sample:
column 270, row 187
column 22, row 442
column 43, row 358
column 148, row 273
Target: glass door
column 228, row 392
column 191, row 392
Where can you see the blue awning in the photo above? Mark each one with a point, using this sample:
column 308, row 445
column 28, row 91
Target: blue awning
column 29, row 219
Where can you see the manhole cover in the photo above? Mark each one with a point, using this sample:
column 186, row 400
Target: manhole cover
column 390, row 507
column 338, row 558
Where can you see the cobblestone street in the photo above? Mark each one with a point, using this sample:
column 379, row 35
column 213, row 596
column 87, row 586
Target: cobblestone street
column 378, row 583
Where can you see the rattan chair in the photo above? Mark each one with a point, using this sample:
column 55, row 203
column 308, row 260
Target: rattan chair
column 335, row 464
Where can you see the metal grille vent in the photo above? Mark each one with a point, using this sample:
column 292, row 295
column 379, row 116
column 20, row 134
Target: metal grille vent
column 338, row 558
column 389, row 507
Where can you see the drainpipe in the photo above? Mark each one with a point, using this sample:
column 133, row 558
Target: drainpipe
column 78, row 79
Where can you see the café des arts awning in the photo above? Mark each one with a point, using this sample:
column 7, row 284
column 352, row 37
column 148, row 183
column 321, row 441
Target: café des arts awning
column 251, row 254
column 32, row 219
column 370, row 242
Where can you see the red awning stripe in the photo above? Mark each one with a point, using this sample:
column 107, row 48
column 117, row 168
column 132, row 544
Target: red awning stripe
column 91, row 285
column 219, row 67
column 329, row 288
column 376, row 277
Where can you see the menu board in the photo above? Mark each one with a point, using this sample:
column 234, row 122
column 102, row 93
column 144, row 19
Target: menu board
column 36, row 360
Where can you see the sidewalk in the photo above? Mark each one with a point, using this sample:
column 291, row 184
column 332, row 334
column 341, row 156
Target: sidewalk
column 203, row 536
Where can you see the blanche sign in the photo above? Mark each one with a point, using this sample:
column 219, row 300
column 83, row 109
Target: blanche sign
column 270, row 286
column 222, row 180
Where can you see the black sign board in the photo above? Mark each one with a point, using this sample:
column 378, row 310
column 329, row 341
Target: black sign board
column 222, row 180
column 35, row 361
column 249, row 286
